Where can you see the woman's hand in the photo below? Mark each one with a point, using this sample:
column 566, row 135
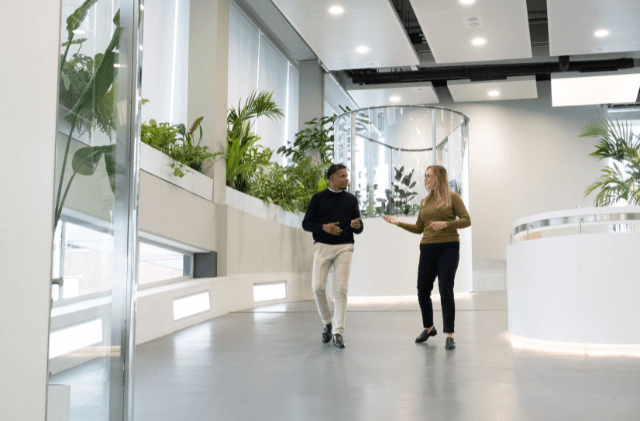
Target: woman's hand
column 355, row 223
column 438, row 225
column 391, row 220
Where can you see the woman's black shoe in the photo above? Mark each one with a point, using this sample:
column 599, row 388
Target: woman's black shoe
column 450, row 343
column 326, row 333
column 424, row 335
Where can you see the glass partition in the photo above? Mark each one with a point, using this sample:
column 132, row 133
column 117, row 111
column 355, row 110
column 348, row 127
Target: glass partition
column 388, row 149
column 91, row 344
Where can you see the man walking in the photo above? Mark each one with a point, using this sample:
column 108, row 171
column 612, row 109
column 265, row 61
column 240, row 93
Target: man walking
column 333, row 217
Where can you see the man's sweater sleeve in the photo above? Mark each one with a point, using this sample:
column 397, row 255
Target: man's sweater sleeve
column 357, row 215
column 310, row 222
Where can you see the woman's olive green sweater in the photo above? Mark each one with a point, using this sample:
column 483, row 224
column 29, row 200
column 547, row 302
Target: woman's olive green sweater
column 432, row 213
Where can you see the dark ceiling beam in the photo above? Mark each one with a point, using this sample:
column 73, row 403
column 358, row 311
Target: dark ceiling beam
column 542, row 71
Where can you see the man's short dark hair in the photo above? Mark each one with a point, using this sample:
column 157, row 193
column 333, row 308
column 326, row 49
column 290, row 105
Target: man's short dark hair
column 334, row 169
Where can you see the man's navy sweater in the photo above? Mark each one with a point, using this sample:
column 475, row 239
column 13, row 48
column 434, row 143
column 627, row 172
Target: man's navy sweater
column 327, row 207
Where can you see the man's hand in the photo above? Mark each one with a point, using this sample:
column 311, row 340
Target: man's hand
column 355, row 223
column 332, row 228
column 438, row 226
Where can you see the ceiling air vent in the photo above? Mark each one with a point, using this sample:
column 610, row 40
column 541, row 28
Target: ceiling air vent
column 473, row 22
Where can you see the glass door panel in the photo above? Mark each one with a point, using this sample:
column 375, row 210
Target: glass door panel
column 94, row 261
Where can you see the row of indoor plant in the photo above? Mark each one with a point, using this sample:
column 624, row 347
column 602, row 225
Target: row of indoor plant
column 249, row 165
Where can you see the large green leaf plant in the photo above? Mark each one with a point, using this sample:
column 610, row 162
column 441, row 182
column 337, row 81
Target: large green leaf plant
column 621, row 180
column 243, row 156
column 88, row 90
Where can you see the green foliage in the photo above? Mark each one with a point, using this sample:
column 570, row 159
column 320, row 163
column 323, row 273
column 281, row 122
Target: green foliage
column 272, row 183
column 87, row 89
column 621, row 180
column 317, row 138
column 398, row 199
column 289, row 187
column 179, row 144
column 243, row 156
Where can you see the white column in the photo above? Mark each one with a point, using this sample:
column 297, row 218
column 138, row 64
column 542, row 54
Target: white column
column 29, row 87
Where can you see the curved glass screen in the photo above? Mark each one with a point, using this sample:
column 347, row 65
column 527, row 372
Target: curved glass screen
column 388, row 149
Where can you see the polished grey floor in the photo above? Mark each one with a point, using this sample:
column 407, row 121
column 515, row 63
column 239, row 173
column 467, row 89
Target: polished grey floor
column 269, row 364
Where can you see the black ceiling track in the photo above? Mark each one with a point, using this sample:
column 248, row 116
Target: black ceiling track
column 439, row 75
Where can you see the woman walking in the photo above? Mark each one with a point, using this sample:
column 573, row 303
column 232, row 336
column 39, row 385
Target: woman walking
column 439, row 249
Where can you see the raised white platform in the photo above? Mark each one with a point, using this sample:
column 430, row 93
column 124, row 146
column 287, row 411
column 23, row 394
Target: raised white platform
column 575, row 288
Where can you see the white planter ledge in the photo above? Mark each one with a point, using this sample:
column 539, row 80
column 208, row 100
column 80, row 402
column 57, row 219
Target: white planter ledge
column 157, row 163
column 257, row 207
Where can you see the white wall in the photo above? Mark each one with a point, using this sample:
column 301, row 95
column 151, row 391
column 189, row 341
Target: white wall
column 525, row 158
column 28, row 88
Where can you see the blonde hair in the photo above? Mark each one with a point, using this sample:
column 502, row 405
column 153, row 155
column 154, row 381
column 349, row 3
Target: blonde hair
column 442, row 191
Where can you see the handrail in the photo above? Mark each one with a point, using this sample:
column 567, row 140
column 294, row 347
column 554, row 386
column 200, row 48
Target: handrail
column 579, row 220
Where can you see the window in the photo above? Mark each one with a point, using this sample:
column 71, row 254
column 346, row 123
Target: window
column 191, row 305
column 83, row 258
column 69, row 339
column 158, row 263
column 269, row 291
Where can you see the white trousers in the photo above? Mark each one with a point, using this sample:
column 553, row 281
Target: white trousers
column 339, row 256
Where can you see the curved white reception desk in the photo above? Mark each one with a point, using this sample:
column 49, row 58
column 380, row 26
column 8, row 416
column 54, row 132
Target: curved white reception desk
column 574, row 276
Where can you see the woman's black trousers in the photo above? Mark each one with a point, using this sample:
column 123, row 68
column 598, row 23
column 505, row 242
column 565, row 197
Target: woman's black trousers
column 441, row 260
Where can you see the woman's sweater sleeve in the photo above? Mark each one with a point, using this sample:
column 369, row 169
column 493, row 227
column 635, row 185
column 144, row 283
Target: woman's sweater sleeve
column 417, row 228
column 461, row 211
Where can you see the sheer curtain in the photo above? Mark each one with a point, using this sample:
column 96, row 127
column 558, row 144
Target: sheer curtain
column 255, row 63
column 244, row 44
column 165, row 73
column 272, row 77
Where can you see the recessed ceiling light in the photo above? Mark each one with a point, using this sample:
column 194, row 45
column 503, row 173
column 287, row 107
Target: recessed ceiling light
column 467, row 1
column 336, row 10
column 363, row 49
column 602, row 33
column 79, row 31
column 494, row 93
column 395, row 98
column 478, row 41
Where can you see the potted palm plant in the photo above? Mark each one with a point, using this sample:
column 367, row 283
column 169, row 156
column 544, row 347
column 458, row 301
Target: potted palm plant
column 619, row 181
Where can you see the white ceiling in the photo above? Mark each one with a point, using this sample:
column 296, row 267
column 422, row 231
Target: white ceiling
column 406, row 93
column 447, row 26
column 573, row 23
column 334, row 39
column 520, row 87
column 575, row 88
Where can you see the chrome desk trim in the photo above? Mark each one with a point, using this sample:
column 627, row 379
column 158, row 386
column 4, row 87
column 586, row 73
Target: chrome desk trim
column 576, row 220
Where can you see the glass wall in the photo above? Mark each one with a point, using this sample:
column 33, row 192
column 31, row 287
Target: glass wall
column 94, row 254
column 388, row 149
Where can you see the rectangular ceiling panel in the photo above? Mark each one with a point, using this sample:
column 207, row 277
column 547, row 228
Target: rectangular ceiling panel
column 500, row 29
column 573, row 88
column 399, row 94
column 593, row 26
column 365, row 34
column 518, row 87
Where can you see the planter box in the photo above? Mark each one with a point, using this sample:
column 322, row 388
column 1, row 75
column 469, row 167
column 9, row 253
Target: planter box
column 157, row 163
column 257, row 207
